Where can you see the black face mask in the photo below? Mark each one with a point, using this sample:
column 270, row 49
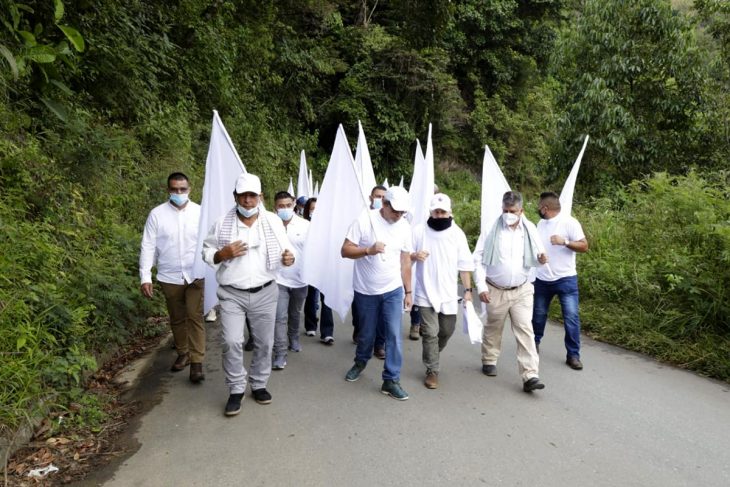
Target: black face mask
column 439, row 224
column 542, row 215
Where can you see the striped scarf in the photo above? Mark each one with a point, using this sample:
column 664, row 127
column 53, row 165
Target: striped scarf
column 273, row 249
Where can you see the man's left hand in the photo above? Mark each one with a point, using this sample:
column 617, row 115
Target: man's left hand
column 408, row 302
column 542, row 258
column 557, row 240
column 287, row 258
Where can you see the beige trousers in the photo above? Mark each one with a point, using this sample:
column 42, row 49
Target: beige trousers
column 185, row 305
column 517, row 304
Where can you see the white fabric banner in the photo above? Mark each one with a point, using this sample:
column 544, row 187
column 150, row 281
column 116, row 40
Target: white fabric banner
column 316, row 190
column 222, row 168
column 471, row 324
column 311, row 185
column 363, row 163
column 422, row 184
column 401, row 182
column 323, row 267
column 494, row 185
column 290, row 189
column 303, row 181
column 566, row 196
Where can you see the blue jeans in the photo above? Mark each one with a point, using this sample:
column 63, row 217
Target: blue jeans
column 387, row 309
column 379, row 332
column 566, row 289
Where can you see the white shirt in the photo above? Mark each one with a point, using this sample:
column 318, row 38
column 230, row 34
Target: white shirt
column 248, row 270
column 436, row 278
column 296, row 230
column 168, row 243
column 511, row 270
column 561, row 258
column 380, row 273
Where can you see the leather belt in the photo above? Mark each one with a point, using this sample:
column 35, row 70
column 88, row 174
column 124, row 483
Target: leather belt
column 502, row 288
column 253, row 290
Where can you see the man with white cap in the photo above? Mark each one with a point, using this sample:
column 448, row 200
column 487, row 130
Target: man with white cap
column 247, row 246
column 440, row 250
column 380, row 242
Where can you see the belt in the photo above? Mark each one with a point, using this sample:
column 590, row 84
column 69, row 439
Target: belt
column 254, row 289
column 502, row 288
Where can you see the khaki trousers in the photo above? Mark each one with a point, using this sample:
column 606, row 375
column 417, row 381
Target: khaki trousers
column 185, row 306
column 517, row 304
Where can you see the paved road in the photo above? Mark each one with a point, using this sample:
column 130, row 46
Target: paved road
column 624, row 420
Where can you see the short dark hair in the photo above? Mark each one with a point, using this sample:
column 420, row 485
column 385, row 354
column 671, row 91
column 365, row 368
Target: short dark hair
column 550, row 199
column 379, row 186
column 283, row 195
column 307, row 214
column 511, row 198
column 176, row 176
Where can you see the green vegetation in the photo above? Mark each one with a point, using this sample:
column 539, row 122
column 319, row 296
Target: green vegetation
column 100, row 100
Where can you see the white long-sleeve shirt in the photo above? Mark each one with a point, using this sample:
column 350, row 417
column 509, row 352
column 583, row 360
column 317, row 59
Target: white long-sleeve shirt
column 511, row 270
column 168, row 243
column 291, row 276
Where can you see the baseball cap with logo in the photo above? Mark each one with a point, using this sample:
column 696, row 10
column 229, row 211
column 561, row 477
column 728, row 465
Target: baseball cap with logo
column 440, row 202
column 248, row 183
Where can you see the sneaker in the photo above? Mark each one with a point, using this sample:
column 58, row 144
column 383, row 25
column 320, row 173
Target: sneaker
column 310, row 333
column 327, row 340
column 211, row 316
column 261, row 396
column 490, row 370
column 532, row 385
column 294, row 344
column 354, row 373
column 379, row 353
column 432, row 380
column 393, row 389
column 279, row 362
column 415, row 332
column 233, row 406
column 574, row 363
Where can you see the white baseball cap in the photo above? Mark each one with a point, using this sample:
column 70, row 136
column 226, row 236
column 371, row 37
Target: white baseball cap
column 248, row 183
column 398, row 198
column 440, row 201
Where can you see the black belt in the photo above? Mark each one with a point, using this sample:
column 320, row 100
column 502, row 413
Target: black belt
column 504, row 288
column 253, row 289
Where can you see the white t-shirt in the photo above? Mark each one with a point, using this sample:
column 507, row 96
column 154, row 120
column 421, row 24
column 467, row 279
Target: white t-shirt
column 291, row 276
column 436, row 278
column 561, row 258
column 381, row 273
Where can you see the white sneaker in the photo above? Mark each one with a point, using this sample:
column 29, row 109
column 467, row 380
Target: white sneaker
column 211, row 316
column 311, row 333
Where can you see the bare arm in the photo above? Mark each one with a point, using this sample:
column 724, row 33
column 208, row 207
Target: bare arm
column 405, row 274
column 350, row 250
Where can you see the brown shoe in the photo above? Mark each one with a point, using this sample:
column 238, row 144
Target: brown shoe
column 415, row 332
column 379, row 353
column 574, row 363
column 196, row 373
column 182, row 361
column 432, row 380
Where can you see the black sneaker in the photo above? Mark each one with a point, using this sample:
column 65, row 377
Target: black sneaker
column 233, row 406
column 532, row 385
column 261, row 396
column 354, row 373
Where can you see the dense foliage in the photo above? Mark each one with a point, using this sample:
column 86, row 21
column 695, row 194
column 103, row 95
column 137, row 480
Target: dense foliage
column 100, row 100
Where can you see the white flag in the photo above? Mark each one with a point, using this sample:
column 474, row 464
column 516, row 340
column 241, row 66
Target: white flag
column 290, row 189
column 222, row 168
column 494, row 185
column 566, row 196
column 363, row 163
column 401, row 182
column 422, row 184
column 303, row 181
column 338, row 206
column 310, row 181
column 316, row 190
column 385, row 183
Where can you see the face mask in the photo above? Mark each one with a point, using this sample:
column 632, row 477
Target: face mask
column 247, row 213
column 377, row 203
column 542, row 215
column 510, row 218
column 439, row 224
column 179, row 199
column 285, row 214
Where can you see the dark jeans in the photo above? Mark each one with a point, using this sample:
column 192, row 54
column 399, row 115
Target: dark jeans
column 415, row 316
column 311, row 305
column 379, row 330
column 387, row 309
column 566, row 289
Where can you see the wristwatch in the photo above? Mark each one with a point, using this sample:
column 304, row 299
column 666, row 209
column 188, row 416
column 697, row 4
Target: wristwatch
column 566, row 242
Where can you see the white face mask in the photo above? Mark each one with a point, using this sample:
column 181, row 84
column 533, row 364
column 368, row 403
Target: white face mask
column 247, row 213
column 510, row 219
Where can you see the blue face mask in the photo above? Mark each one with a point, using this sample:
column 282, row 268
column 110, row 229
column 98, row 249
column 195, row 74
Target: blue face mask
column 179, row 199
column 377, row 203
column 247, row 213
column 285, row 214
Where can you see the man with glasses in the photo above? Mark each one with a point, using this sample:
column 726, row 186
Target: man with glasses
column 380, row 243
column 168, row 243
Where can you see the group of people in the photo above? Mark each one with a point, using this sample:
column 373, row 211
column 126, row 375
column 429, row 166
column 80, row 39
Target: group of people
column 257, row 255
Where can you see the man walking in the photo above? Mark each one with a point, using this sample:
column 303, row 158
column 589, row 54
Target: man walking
column 380, row 243
column 562, row 236
column 168, row 243
column 292, row 289
column 439, row 250
column 246, row 247
column 503, row 258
